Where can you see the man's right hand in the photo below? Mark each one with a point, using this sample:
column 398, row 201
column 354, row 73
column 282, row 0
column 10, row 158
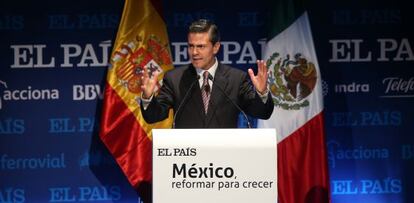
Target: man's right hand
column 148, row 84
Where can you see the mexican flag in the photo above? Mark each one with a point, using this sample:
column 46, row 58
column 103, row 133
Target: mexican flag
column 295, row 84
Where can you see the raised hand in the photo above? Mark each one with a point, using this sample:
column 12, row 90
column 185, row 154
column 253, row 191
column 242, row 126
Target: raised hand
column 148, row 83
column 260, row 80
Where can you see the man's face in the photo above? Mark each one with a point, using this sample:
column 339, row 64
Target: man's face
column 201, row 50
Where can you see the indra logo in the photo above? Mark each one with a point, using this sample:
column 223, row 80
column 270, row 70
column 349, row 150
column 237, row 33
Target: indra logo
column 26, row 94
column 352, row 88
column 346, row 88
column 291, row 81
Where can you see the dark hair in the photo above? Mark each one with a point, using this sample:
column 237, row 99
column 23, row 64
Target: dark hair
column 203, row 26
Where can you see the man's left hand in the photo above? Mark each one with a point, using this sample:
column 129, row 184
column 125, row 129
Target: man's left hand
column 260, row 80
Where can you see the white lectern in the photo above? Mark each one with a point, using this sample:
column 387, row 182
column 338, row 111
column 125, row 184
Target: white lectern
column 214, row 165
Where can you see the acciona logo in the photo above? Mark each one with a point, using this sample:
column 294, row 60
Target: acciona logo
column 25, row 94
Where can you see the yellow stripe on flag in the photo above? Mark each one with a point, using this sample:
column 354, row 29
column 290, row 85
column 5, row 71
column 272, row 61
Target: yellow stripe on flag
column 141, row 42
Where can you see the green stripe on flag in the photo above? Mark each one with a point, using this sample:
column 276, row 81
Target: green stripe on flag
column 282, row 14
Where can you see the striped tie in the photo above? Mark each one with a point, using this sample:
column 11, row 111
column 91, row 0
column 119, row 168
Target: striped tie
column 205, row 91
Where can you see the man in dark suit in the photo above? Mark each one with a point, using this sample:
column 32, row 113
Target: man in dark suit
column 188, row 89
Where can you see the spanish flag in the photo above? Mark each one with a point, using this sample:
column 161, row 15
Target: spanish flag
column 141, row 43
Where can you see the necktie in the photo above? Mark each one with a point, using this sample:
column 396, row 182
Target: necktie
column 205, row 91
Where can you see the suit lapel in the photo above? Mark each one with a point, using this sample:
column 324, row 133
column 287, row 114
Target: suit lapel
column 195, row 101
column 216, row 96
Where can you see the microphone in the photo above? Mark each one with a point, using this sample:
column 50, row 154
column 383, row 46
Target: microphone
column 234, row 103
column 184, row 99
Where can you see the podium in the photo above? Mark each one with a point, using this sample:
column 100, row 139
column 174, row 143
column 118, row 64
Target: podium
column 214, row 165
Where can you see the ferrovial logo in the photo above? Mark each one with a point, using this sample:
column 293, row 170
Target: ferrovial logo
column 25, row 94
column 48, row 161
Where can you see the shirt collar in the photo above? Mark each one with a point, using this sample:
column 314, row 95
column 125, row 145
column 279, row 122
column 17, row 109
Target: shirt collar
column 211, row 70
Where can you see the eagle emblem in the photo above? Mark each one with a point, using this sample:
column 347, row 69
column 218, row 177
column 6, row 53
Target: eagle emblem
column 291, row 80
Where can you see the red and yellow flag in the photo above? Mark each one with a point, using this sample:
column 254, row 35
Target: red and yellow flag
column 141, row 43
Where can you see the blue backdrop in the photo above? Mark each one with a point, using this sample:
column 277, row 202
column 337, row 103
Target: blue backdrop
column 52, row 69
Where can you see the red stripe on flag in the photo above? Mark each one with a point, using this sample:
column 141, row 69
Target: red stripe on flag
column 302, row 166
column 126, row 139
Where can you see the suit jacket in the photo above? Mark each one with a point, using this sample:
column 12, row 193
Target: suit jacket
column 221, row 112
